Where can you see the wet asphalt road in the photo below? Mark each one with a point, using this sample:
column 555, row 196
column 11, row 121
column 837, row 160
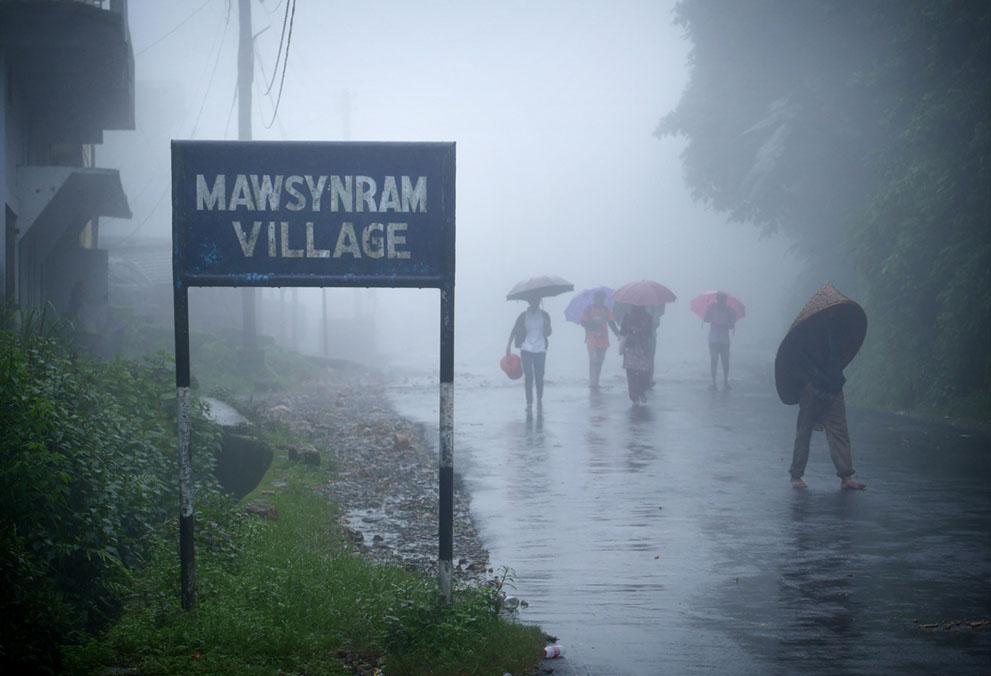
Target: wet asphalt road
column 666, row 539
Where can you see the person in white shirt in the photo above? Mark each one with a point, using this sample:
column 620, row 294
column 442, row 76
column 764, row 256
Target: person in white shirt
column 530, row 332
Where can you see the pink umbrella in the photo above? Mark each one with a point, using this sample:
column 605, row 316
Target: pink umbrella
column 702, row 303
column 644, row 292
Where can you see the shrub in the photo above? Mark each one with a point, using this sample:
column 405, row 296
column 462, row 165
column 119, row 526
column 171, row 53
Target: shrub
column 87, row 475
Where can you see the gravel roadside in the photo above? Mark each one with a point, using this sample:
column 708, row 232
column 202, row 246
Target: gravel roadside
column 385, row 473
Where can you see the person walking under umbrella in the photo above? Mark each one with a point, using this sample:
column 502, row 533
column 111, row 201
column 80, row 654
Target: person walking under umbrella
column 808, row 370
column 532, row 327
column 530, row 333
column 637, row 333
column 642, row 294
column 597, row 319
column 721, row 319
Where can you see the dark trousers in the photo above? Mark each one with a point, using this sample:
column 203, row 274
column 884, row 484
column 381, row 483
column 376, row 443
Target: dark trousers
column 637, row 382
column 831, row 414
column 533, row 371
column 719, row 351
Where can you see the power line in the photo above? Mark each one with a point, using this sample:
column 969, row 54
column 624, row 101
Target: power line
column 206, row 95
column 278, row 53
column 261, row 66
column 285, row 65
column 230, row 112
column 209, row 84
column 175, row 28
column 147, row 218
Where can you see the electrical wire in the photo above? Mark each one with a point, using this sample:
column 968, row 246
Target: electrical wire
column 278, row 53
column 261, row 66
column 285, row 65
column 230, row 112
column 209, row 84
column 147, row 218
column 192, row 134
column 174, row 28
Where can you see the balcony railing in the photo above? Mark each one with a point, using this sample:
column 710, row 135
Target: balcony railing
column 116, row 6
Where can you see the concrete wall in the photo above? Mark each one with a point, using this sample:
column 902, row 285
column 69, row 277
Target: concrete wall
column 6, row 175
column 13, row 153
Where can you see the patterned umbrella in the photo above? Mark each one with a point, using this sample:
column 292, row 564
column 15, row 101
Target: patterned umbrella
column 573, row 313
column 644, row 292
column 539, row 287
column 702, row 303
column 828, row 309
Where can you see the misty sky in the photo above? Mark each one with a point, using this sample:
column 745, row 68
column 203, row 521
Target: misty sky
column 552, row 106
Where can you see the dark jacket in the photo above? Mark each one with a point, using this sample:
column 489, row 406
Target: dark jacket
column 518, row 334
column 818, row 361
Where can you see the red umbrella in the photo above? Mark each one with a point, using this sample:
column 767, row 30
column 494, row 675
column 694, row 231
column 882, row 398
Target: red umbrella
column 538, row 287
column 644, row 292
column 702, row 303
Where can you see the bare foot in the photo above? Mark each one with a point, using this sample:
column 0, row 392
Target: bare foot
column 851, row 484
column 798, row 484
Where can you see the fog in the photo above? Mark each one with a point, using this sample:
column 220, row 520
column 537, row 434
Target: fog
column 552, row 105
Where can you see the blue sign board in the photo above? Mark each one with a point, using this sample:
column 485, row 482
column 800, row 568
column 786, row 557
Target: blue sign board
column 313, row 214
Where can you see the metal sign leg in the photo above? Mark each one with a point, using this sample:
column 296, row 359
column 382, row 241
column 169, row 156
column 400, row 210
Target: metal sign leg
column 187, row 554
column 446, row 473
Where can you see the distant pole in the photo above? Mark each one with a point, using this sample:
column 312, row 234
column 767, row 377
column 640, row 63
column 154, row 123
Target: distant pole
column 346, row 113
column 282, row 317
column 294, row 319
column 323, row 305
column 356, row 293
column 245, row 74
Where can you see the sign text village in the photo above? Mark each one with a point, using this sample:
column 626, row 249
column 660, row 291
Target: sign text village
column 314, row 234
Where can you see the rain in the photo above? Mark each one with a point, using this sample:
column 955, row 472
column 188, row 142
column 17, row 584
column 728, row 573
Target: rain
column 720, row 281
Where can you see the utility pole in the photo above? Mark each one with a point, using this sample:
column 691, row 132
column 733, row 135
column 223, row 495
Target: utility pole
column 245, row 75
column 326, row 336
column 346, row 135
column 294, row 322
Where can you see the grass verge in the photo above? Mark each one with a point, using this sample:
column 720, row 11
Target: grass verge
column 283, row 596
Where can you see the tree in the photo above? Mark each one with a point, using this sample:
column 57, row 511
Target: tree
column 860, row 130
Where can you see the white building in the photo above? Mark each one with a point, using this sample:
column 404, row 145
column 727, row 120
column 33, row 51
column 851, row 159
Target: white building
column 66, row 75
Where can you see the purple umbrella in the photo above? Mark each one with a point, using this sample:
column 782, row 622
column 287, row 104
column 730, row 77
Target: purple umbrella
column 575, row 309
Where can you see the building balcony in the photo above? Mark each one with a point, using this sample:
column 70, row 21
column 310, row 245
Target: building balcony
column 72, row 66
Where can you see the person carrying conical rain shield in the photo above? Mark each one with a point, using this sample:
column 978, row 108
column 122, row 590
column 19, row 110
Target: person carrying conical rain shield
column 808, row 371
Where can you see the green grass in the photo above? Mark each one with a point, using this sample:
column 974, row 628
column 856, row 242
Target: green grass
column 283, row 597
column 217, row 363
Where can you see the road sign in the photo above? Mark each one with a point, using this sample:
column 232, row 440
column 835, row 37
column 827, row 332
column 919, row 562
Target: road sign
column 248, row 213
column 313, row 214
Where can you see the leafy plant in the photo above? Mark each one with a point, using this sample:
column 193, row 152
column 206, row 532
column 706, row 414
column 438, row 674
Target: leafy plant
column 87, row 478
column 860, row 131
column 285, row 597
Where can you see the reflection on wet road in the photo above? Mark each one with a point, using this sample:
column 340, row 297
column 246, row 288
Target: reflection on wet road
column 666, row 539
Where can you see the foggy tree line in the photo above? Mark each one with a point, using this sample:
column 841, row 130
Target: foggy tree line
column 859, row 130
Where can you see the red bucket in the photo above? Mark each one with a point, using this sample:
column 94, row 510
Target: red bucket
column 512, row 365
